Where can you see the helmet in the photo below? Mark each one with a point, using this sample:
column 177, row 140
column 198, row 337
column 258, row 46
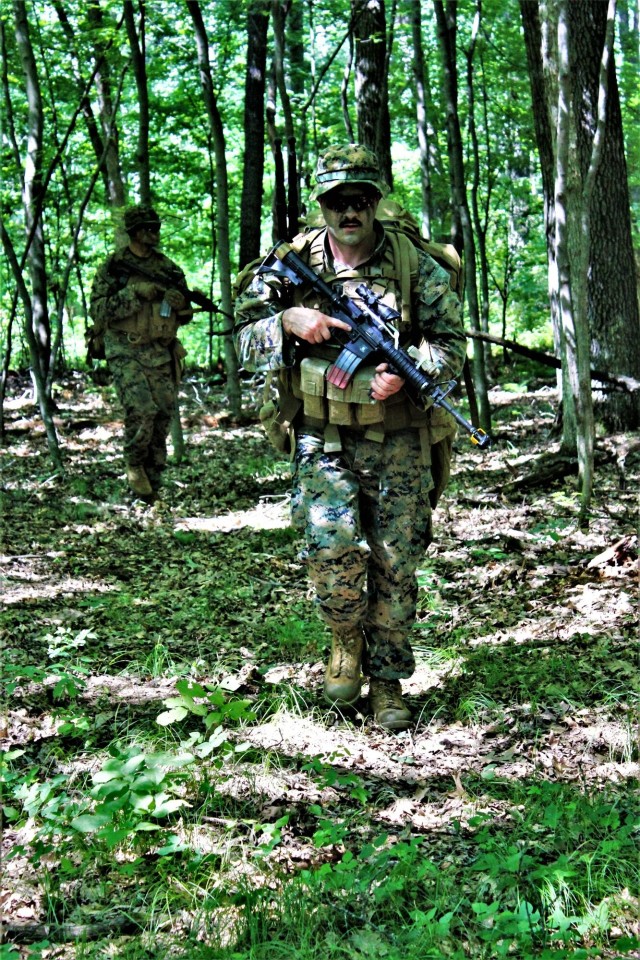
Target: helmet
column 140, row 216
column 352, row 163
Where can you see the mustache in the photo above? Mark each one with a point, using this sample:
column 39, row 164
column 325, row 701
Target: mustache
column 350, row 222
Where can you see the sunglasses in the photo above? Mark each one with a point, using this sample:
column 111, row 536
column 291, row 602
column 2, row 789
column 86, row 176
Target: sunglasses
column 357, row 202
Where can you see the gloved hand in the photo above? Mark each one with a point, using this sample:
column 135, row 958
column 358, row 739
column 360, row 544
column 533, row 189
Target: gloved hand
column 146, row 289
column 175, row 299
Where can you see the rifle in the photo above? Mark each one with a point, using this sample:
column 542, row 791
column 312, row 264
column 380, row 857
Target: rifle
column 371, row 333
column 121, row 270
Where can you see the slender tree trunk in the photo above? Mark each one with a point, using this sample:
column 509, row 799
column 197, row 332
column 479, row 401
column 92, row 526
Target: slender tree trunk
column 422, row 119
column 37, row 323
column 447, row 36
column 372, row 97
column 137, row 46
column 116, row 191
column 540, row 34
column 479, row 219
column 36, row 372
column 253, row 168
column 277, row 17
column 224, row 258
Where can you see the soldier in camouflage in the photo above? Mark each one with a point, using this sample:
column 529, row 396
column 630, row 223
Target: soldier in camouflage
column 362, row 484
column 139, row 318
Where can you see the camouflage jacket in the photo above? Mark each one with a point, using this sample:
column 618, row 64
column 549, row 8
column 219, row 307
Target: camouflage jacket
column 262, row 344
column 124, row 317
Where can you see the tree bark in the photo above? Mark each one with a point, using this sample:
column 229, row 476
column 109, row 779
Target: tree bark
column 371, row 81
column 253, row 167
column 611, row 289
column 422, row 118
column 222, row 208
column 32, row 191
column 115, row 186
column 138, row 58
column 446, row 23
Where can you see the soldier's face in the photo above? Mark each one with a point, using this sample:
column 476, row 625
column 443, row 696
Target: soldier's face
column 349, row 213
column 149, row 234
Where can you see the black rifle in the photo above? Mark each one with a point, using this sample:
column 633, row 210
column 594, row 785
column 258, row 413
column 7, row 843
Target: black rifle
column 122, row 270
column 371, row 333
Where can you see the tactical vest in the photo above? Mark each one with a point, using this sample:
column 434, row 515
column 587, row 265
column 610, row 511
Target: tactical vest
column 326, row 407
column 146, row 324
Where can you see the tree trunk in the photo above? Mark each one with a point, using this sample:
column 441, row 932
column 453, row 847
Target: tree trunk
column 422, row 119
column 612, row 304
column 540, row 44
column 572, row 257
column 447, row 36
column 371, row 83
column 222, row 211
column 38, row 379
column 612, row 307
column 32, row 200
column 138, row 58
column 116, row 191
column 253, row 168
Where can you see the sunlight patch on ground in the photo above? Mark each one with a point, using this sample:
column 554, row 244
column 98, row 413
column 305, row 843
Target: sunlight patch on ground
column 266, row 516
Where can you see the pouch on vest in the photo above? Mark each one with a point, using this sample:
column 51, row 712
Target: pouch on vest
column 354, row 404
column 276, row 417
column 312, row 386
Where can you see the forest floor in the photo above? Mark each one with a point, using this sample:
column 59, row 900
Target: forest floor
column 171, row 774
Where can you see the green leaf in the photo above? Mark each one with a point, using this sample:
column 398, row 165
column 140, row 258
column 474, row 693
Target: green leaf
column 89, row 823
column 170, row 716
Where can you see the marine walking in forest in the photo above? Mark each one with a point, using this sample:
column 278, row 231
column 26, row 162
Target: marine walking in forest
column 364, row 484
column 138, row 302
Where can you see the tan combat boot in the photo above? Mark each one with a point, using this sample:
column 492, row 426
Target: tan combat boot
column 389, row 709
column 342, row 680
column 139, row 481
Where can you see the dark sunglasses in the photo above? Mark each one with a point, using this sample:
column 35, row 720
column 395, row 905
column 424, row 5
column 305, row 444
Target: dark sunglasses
column 357, row 202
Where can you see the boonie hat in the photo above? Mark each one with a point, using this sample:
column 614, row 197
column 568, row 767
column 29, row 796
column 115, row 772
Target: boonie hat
column 139, row 216
column 352, row 163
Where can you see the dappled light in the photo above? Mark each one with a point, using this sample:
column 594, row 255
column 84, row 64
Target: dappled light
column 127, row 624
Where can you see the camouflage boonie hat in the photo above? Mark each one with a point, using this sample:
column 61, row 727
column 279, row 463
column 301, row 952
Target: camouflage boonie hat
column 352, row 163
column 140, row 216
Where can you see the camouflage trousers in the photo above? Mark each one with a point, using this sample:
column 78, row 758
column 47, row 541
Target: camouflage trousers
column 147, row 395
column 366, row 515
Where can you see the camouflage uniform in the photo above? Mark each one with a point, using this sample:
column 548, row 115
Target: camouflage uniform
column 140, row 348
column 364, row 508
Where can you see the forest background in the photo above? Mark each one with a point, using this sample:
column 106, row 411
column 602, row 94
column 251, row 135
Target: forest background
column 510, row 129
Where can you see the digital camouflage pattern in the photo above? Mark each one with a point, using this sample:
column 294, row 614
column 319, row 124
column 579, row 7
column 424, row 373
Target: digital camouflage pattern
column 365, row 511
column 143, row 367
column 262, row 346
column 147, row 392
column 351, row 163
column 365, row 514
column 139, row 216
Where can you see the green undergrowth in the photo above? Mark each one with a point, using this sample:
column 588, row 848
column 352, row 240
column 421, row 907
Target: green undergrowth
column 530, row 868
column 175, row 777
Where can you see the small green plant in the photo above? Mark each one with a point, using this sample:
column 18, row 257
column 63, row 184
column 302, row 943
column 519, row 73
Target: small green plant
column 131, row 787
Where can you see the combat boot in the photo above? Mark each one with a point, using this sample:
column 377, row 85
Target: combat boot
column 342, row 679
column 387, row 705
column 139, row 481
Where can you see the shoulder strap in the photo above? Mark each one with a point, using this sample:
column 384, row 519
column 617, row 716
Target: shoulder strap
column 405, row 257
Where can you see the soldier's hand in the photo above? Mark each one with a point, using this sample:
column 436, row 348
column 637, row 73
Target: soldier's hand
column 146, row 289
column 311, row 325
column 175, row 299
column 385, row 384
